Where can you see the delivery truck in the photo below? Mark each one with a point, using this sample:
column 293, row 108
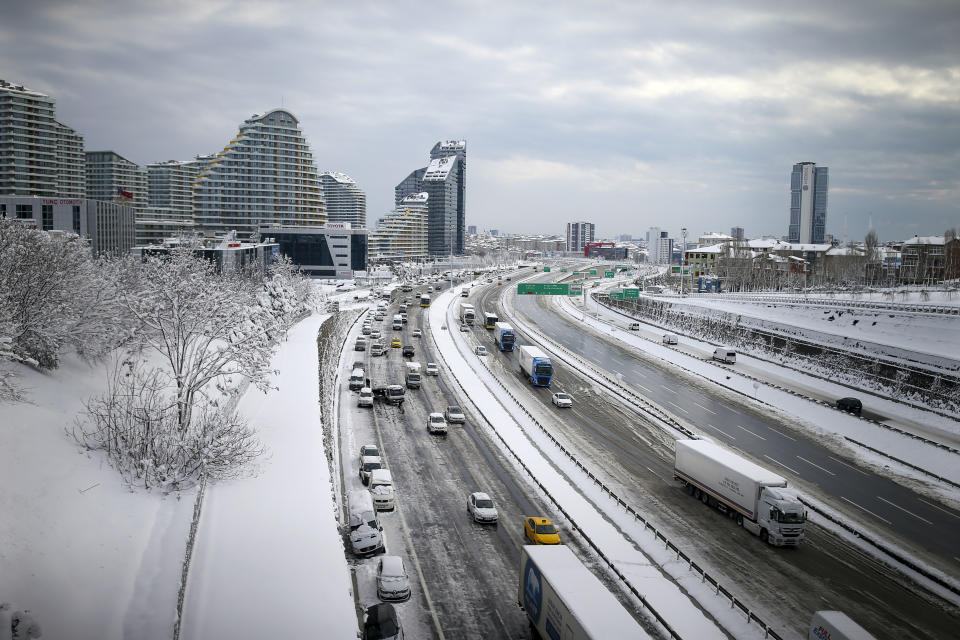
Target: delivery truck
column 562, row 599
column 535, row 365
column 756, row 498
column 467, row 313
column 504, row 336
column 835, row 625
column 413, row 375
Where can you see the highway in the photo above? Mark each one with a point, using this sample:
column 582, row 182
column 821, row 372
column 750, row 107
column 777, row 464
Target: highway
column 635, row 456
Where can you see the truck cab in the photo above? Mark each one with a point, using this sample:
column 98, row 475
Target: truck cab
column 413, row 375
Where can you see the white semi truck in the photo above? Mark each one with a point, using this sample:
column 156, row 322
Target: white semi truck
column 757, row 498
column 535, row 365
column 467, row 313
column 563, row 599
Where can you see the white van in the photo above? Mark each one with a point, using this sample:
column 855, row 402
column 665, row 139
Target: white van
column 725, row 354
column 356, row 379
column 365, row 399
column 365, row 530
column 381, row 488
column 397, row 322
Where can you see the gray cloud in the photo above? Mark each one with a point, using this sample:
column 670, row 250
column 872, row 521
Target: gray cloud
column 631, row 114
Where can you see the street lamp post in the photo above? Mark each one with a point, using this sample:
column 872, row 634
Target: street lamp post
column 683, row 256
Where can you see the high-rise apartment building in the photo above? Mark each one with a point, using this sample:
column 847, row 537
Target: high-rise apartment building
column 808, row 203
column 71, row 163
column 440, row 183
column 113, row 178
column 578, row 235
column 169, row 210
column 345, row 201
column 265, row 176
column 410, row 185
column 38, row 155
column 402, row 234
column 736, row 233
column 457, row 148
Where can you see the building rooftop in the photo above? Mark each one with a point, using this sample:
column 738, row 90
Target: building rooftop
column 339, row 177
column 440, row 168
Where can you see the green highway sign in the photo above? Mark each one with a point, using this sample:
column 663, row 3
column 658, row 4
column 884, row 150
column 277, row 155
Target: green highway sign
column 631, row 293
column 543, row 289
column 608, row 274
column 593, row 272
column 546, row 269
column 563, row 270
column 616, row 295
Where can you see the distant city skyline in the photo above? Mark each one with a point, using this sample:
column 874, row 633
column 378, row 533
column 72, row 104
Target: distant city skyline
column 693, row 119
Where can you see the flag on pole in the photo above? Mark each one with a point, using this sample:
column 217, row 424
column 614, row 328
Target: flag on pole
column 121, row 193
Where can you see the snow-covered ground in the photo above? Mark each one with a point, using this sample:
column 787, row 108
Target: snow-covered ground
column 269, row 561
column 89, row 556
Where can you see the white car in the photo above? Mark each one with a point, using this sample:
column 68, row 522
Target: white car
column 562, row 400
column 392, row 581
column 480, row 350
column 436, row 423
column 417, row 333
column 432, row 369
column 454, row 414
column 480, row 506
column 464, row 327
column 669, row 338
column 365, row 399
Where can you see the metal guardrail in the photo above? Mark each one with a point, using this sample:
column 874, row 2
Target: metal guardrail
column 904, row 307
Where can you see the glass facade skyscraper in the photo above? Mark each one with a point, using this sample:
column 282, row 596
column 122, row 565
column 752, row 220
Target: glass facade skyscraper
column 456, row 148
column 808, row 203
column 440, row 183
column 265, row 176
column 409, row 186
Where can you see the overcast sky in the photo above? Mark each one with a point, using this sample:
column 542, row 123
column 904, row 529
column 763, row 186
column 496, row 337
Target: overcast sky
column 627, row 114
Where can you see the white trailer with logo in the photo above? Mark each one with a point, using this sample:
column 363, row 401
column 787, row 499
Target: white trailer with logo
column 563, row 599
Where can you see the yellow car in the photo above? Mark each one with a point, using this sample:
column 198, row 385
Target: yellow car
column 395, row 343
column 540, row 530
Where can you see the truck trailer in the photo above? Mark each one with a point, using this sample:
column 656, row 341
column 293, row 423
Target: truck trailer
column 535, row 365
column 562, row 599
column 504, row 336
column 756, row 498
column 467, row 313
column 835, row 625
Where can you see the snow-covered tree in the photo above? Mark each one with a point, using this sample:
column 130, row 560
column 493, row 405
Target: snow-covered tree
column 208, row 328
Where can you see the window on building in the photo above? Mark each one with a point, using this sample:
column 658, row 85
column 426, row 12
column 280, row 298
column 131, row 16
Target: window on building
column 3, row 211
column 46, row 213
column 76, row 219
column 24, row 211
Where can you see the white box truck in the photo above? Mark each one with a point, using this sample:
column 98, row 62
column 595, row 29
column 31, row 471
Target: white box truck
column 467, row 313
column 535, row 365
column 835, row 625
column 413, row 375
column 757, row 498
column 563, row 599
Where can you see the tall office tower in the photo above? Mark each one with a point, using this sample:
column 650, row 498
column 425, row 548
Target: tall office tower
column 265, row 176
column 346, row 202
column 410, row 185
column 472, row 230
column 401, row 235
column 458, row 148
column 440, row 183
column 113, row 178
column 578, row 235
column 808, row 203
column 71, row 163
column 28, row 142
column 736, row 233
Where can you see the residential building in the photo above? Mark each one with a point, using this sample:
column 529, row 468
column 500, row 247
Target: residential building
column 71, row 163
column 410, row 185
column 579, row 234
column 659, row 247
column 113, row 178
column 401, row 235
column 169, row 211
column 736, row 233
column 108, row 225
column 712, row 238
column 334, row 250
column 457, row 148
column 808, row 203
column 606, row 251
column 930, row 259
column 440, row 183
column 38, row 155
column 264, row 176
column 345, row 201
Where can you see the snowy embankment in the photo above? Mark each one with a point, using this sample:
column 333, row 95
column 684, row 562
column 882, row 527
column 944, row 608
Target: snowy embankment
column 269, row 560
column 86, row 554
column 617, row 536
column 816, row 418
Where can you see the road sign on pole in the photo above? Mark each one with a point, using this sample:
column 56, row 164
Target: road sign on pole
column 608, row 274
column 543, row 289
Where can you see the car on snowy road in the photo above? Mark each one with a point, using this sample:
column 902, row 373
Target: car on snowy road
column 562, row 400
column 480, row 506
